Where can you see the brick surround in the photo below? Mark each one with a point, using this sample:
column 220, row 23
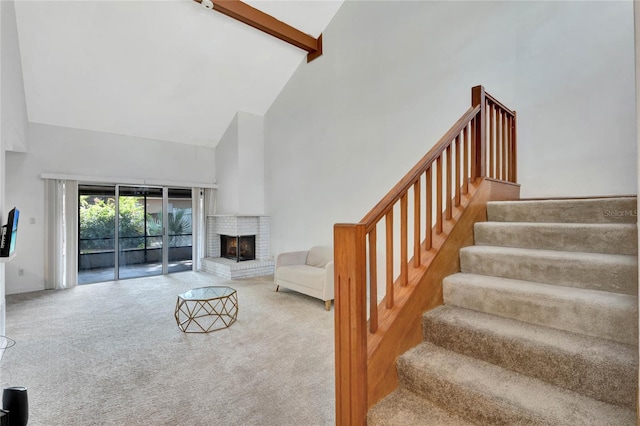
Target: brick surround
column 235, row 225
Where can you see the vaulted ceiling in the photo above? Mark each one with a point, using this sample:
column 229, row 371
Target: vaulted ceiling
column 166, row 70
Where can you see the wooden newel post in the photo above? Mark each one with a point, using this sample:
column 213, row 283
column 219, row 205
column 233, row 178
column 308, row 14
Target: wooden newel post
column 350, row 323
column 480, row 136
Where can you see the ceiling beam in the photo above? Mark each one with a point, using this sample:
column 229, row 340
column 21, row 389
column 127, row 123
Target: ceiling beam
column 258, row 19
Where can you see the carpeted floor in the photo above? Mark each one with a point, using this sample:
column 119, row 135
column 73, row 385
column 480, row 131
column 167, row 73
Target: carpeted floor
column 111, row 354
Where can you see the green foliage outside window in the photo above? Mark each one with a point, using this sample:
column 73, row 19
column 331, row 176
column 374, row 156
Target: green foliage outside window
column 179, row 224
column 98, row 219
column 97, row 224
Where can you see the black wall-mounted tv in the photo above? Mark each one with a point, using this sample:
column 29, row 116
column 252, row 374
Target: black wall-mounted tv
column 9, row 234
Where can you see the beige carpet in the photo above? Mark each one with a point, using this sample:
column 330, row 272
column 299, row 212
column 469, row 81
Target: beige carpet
column 111, row 354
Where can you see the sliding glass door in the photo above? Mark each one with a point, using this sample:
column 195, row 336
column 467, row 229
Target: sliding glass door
column 96, row 233
column 140, row 232
column 153, row 232
column 179, row 229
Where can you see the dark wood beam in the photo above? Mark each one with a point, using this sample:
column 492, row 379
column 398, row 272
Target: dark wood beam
column 236, row 9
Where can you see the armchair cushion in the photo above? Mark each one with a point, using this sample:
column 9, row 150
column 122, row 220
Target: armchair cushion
column 304, row 275
column 319, row 256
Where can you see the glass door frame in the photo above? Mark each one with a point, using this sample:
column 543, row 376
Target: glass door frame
column 165, row 228
column 181, row 229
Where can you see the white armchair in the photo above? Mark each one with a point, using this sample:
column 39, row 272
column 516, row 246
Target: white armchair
column 309, row 272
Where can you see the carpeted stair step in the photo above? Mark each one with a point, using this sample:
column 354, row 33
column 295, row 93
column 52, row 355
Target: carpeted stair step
column 607, row 272
column 487, row 394
column 599, row 368
column 594, row 313
column 402, row 407
column 593, row 210
column 612, row 238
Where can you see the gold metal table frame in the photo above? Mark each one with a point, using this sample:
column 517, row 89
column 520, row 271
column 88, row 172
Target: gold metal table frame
column 205, row 309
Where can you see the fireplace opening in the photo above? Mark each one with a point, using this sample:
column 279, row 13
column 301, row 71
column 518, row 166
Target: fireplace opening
column 238, row 248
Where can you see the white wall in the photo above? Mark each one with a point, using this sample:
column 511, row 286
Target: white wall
column 575, row 74
column 227, row 173
column 14, row 105
column 2, row 179
column 251, row 161
column 395, row 76
column 240, row 166
column 78, row 152
column 13, row 115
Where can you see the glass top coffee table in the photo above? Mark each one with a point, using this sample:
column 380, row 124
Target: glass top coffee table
column 205, row 309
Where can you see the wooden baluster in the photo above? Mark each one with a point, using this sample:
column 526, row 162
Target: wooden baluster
column 510, row 131
column 474, row 160
column 389, row 256
column 373, row 280
column 448, row 189
column 457, row 179
column 505, row 146
column 439, row 195
column 428, row 207
column 416, row 223
column 404, row 241
column 506, row 160
column 465, row 163
column 514, row 144
column 505, row 141
column 498, row 144
column 350, row 323
column 490, row 140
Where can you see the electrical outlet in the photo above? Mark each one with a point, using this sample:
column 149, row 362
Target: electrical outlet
column 21, row 272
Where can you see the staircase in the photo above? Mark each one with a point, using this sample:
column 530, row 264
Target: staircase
column 540, row 326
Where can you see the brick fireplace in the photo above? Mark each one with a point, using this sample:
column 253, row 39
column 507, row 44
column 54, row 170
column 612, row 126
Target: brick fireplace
column 238, row 228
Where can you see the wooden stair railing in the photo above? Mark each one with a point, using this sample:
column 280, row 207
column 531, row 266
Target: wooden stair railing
column 429, row 201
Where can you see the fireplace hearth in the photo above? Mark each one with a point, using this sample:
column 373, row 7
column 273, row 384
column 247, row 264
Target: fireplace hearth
column 238, row 248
